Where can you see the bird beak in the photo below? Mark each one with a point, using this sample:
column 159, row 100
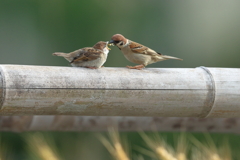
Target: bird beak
column 108, row 45
column 108, row 48
column 111, row 43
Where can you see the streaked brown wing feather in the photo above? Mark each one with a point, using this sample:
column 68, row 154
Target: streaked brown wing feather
column 141, row 49
column 87, row 54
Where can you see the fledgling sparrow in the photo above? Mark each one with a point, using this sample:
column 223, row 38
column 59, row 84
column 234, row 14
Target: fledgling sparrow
column 89, row 57
column 137, row 53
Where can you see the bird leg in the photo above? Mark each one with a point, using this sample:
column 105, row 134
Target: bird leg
column 92, row 67
column 139, row 67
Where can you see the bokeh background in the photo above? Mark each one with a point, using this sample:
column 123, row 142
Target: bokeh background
column 202, row 33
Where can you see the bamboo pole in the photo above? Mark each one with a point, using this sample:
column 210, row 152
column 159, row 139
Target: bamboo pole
column 186, row 92
column 101, row 123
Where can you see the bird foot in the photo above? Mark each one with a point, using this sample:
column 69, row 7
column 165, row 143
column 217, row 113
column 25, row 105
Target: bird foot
column 92, row 67
column 139, row 67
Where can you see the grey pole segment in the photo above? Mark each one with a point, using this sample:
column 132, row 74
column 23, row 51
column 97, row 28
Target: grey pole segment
column 2, row 89
column 210, row 98
column 227, row 92
column 162, row 92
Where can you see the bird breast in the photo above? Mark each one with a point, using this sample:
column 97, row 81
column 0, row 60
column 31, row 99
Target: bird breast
column 105, row 51
column 137, row 58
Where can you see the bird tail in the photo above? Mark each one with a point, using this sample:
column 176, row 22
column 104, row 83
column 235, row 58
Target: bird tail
column 170, row 57
column 64, row 55
column 61, row 54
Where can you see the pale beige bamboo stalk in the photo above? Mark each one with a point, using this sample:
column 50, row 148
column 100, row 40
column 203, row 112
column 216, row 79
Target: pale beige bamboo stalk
column 114, row 145
column 4, row 150
column 38, row 145
column 209, row 148
column 164, row 154
column 158, row 146
column 182, row 147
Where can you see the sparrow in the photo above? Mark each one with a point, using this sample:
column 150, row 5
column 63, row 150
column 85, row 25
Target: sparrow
column 89, row 57
column 137, row 53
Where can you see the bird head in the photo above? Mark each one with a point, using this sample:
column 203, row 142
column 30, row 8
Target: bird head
column 101, row 45
column 118, row 40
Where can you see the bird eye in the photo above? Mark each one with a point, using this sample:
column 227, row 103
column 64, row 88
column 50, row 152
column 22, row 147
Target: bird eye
column 117, row 41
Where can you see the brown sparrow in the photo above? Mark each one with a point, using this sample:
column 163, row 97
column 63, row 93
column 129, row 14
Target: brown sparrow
column 89, row 57
column 137, row 53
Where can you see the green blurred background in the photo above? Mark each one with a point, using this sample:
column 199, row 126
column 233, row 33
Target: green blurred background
column 203, row 33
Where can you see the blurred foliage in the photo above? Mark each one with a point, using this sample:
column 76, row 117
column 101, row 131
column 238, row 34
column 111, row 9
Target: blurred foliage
column 85, row 145
column 203, row 33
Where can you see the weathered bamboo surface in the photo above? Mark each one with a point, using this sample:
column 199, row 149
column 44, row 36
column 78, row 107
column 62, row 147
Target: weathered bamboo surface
column 159, row 92
column 98, row 123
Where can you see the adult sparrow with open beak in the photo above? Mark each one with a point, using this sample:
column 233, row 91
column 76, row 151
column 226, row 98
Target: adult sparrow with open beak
column 89, row 57
column 137, row 53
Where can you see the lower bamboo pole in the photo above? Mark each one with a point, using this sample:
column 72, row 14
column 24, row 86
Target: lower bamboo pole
column 98, row 123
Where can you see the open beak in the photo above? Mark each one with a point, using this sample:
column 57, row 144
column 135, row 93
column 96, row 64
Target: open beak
column 111, row 43
column 108, row 45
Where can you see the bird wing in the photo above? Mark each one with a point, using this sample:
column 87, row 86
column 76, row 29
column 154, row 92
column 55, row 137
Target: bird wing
column 141, row 49
column 86, row 54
